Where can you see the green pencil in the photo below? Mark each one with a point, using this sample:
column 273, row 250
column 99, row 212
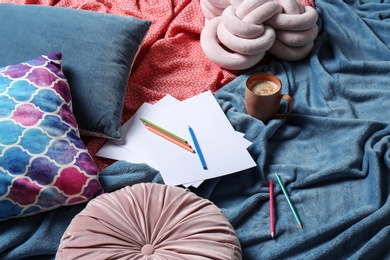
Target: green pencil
column 288, row 200
column 162, row 129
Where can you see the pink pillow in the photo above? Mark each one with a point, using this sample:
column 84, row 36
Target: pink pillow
column 150, row 221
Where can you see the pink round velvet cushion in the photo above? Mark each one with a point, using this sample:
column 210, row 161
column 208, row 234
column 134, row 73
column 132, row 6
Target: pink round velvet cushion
column 150, row 221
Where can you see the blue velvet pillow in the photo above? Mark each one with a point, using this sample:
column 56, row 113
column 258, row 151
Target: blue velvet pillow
column 99, row 50
column 43, row 162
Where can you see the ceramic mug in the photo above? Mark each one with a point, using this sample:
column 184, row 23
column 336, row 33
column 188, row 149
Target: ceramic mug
column 263, row 96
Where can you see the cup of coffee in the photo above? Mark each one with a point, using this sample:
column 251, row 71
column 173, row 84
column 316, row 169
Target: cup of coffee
column 263, row 97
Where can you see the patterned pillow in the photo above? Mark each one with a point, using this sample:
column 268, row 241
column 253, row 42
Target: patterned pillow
column 43, row 162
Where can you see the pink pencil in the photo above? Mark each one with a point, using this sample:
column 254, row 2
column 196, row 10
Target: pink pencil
column 271, row 209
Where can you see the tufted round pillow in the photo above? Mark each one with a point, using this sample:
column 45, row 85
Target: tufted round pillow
column 150, row 221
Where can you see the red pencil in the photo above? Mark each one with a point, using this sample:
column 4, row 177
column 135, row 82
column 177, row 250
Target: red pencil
column 271, row 209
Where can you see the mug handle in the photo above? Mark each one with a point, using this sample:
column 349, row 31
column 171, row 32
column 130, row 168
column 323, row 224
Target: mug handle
column 290, row 101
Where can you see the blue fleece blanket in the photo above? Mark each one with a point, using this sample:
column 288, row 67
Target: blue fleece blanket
column 332, row 152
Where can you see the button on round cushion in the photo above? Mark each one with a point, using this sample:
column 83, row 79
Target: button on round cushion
column 150, row 221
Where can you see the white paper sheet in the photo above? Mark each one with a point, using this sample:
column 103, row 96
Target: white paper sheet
column 223, row 148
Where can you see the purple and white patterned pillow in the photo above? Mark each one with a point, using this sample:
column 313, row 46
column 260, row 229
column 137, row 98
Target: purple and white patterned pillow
column 43, row 162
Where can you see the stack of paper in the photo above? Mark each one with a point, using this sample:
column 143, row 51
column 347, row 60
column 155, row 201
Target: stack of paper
column 224, row 149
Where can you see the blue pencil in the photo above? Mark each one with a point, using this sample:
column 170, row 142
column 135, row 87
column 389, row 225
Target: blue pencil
column 288, row 200
column 197, row 148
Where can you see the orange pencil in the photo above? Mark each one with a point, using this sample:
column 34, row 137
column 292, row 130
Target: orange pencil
column 169, row 138
column 271, row 208
column 169, row 134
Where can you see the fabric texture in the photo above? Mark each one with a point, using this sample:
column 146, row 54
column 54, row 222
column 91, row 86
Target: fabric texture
column 238, row 36
column 150, row 221
column 43, row 162
column 332, row 152
column 99, row 50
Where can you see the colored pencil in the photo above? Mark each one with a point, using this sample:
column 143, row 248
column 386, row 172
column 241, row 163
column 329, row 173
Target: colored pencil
column 164, row 133
column 162, row 129
column 271, row 209
column 169, row 138
column 197, row 148
column 289, row 200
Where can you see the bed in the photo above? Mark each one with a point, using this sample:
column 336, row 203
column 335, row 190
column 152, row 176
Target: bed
column 332, row 151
